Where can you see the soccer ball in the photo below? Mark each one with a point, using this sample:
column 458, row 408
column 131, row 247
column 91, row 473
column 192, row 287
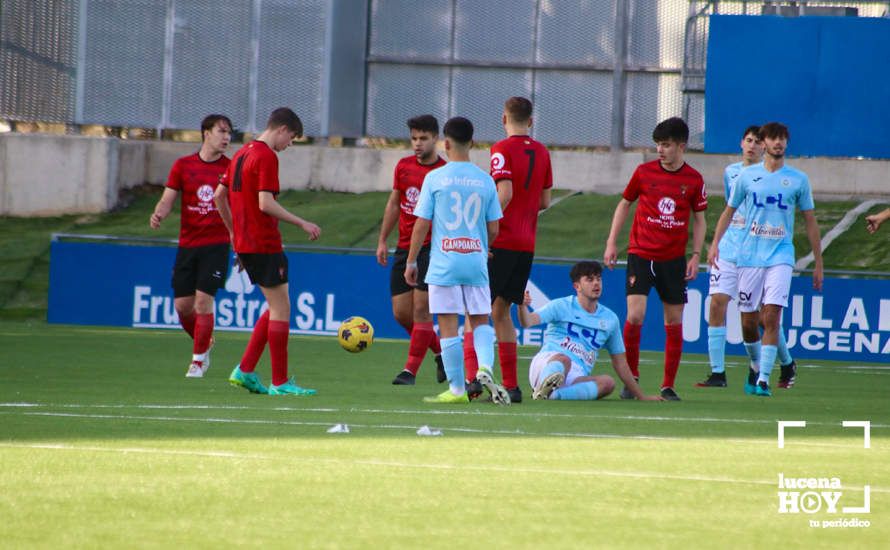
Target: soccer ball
column 356, row 334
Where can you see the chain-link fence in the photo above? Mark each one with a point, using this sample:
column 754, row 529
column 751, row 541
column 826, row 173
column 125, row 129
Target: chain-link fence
column 600, row 72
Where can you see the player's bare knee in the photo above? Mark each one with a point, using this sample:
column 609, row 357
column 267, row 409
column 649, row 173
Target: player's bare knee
column 604, row 386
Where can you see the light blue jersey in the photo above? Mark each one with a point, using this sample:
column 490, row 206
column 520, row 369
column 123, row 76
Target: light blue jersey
column 770, row 199
column 573, row 331
column 460, row 199
column 729, row 244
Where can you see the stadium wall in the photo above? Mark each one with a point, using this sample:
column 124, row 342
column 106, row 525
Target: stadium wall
column 45, row 175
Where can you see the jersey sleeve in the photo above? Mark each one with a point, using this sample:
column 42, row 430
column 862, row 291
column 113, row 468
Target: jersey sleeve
column 267, row 173
column 738, row 194
column 551, row 312
column 700, row 196
column 806, row 195
column 501, row 168
column 727, row 191
column 615, row 343
column 174, row 180
column 424, row 207
column 494, row 211
column 395, row 175
column 632, row 191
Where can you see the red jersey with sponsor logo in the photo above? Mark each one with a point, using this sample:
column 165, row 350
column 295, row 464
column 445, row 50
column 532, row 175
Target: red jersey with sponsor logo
column 254, row 168
column 660, row 228
column 526, row 163
column 196, row 181
column 408, row 180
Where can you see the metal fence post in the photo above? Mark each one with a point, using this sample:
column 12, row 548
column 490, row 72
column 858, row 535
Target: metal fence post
column 619, row 77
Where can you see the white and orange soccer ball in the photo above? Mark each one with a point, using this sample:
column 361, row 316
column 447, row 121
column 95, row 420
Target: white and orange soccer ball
column 356, row 334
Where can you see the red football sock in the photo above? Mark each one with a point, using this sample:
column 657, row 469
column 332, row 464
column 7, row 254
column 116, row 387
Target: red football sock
column 471, row 365
column 257, row 343
column 203, row 332
column 188, row 324
column 435, row 347
column 673, row 349
column 278, row 333
column 420, row 341
column 507, row 358
column 632, row 347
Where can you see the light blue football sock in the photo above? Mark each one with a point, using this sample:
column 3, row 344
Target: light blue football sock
column 717, row 348
column 783, row 354
column 483, row 343
column 582, row 391
column 552, row 367
column 753, row 350
column 453, row 358
column 767, row 358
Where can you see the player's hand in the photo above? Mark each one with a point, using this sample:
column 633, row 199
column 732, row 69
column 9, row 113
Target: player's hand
column 155, row 220
column 713, row 256
column 313, row 230
column 873, row 222
column 818, row 278
column 411, row 273
column 382, row 253
column 692, row 268
column 527, row 299
column 610, row 257
column 652, row 398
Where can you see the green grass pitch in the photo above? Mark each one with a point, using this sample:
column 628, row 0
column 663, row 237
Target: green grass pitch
column 104, row 443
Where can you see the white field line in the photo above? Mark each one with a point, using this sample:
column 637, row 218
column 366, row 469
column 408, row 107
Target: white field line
column 558, row 200
column 415, row 412
column 849, row 219
column 404, row 465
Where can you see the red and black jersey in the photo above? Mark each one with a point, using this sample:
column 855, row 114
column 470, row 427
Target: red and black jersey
column 526, row 163
column 660, row 228
column 254, row 168
column 196, row 181
column 408, row 180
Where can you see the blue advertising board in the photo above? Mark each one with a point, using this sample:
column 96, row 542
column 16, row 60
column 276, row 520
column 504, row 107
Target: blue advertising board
column 116, row 285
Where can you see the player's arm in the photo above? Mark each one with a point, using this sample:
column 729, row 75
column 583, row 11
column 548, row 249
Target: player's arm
column 418, row 235
column 163, row 208
column 527, row 318
column 873, row 222
column 493, row 228
column 270, row 206
column 699, row 226
column 809, row 218
column 390, row 217
column 545, row 199
column 505, row 192
column 619, row 363
column 221, row 200
column 722, row 224
column 610, row 257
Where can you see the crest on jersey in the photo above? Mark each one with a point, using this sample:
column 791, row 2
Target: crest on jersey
column 497, row 161
column 785, row 182
column 412, row 194
column 205, row 193
column 667, row 206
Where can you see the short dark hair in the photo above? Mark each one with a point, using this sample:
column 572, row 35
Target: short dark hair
column 752, row 130
column 672, row 129
column 586, row 268
column 283, row 116
column 518, row 109
column 424, row 123
column 774, row 130
column 211, row 120
column 459, row 129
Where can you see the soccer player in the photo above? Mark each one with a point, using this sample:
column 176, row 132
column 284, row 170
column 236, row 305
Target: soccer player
column 248, row 206
column 410, row 306
column 460, row 202
column 873, row 222
column 770, row 192
column 203, row 256
column 521, row 168
column 724, row 281
column 577, row 328
column 669, row 191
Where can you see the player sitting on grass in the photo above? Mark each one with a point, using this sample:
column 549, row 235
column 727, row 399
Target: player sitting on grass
column 577, row 327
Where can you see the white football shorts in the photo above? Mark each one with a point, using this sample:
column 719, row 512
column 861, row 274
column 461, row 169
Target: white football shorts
column 460, row 299
column 764, row 285
column 541, row 359
column 724, row 279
